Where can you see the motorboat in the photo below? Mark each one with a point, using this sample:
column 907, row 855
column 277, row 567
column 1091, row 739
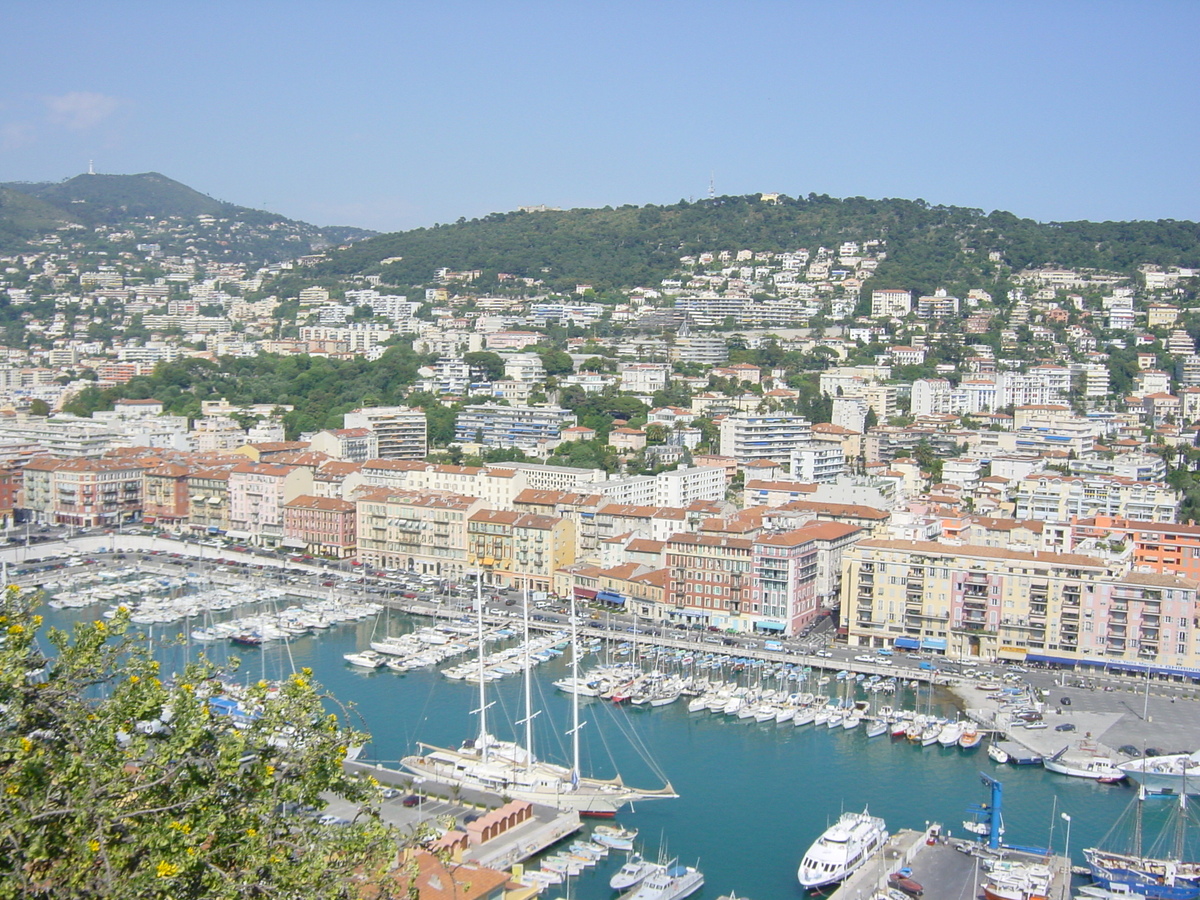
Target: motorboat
column 841, row 849
column 365, row 659
column 670, row 882
column 970, row 737
column 996, row 754
column 1170, row 774
column 614, row 836
column 634, row 872
column 950, row 733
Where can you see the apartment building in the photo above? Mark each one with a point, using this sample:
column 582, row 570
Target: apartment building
column 519, row 549
column 322, row 526
column 746, row 436
column 1059, row 498
column 208, row 499
column 821, row 461
column 418, row 531
column 400, row 432
column 997, row 603
column 347, row 444
column 709, row 580
column 525, row 427
column 165, row 498
column 84, row 492
column 257, row 494
column 890, row 302
column 783, row 595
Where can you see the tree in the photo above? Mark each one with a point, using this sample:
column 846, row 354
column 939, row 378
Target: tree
column 39, row 407
column 491, row 364
column 117, row 783
column 555, row 362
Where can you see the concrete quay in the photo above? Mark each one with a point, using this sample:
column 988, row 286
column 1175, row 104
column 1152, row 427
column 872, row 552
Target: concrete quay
column 444, row 805
column 944, row 868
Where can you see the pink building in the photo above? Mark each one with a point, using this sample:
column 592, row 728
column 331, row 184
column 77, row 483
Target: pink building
column 323, row 526
column 257, row 494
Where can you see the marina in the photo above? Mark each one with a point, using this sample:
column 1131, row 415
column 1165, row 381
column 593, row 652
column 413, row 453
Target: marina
column 749, row 788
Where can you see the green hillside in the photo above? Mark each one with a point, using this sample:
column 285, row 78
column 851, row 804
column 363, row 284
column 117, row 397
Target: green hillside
column 113, row 199
column 630, row 246
column 28, row 211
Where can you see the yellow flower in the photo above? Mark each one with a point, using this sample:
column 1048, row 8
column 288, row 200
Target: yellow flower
column 26, row 744
column 37, row 621
column 270, row 770
column 12, row 790
column 16, row 629
column 253, row 832
column 134, row 679
column 94, row 845
column 167, row 869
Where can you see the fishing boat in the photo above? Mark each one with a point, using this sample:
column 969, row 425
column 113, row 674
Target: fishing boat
column 511, row 769
column 1169, row 871
column 970, row 737
column 634, row 872
column 671, row 882
column 841, row 849
column 614, row 837
column 1093, row 766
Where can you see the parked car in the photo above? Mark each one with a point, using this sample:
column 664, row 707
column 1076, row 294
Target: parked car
column 411, row 800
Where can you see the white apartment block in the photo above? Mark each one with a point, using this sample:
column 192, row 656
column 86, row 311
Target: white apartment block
column 821, row 462
column 889, row 302
column 402, row 432
column 746, row 436
column 644, row 378
column 681, row 487
column 1058, row 498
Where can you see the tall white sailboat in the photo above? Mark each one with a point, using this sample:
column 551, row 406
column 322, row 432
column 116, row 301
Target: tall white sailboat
column 507, row 768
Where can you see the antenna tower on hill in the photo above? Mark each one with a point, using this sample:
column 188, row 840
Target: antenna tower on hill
column 712, row 185
column 91, row 168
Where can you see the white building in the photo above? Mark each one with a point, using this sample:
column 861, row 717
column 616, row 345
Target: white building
column 823, row 461
column 746, row 436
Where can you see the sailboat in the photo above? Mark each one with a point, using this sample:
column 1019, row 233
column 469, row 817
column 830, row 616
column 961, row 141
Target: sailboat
column 1163, row 873
column 507, row 768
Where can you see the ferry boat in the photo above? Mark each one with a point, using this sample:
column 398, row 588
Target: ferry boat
column 841, row 849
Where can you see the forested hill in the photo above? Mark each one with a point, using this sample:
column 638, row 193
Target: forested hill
column 31, row 210
column 629, row 246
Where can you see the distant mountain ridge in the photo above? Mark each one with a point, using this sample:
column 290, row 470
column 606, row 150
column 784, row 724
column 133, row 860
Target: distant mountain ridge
column 927, row 246
column 29, row 210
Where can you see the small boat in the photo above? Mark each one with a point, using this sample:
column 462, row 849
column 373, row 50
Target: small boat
column 903, row 882
column 970, row 738
column 365, row 659
column 633, row 873
column 614, row 837
column 877, row 728
column 996, row 754
column 670, row 882
column 1116, row 891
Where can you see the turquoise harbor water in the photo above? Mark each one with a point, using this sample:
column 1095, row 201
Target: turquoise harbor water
column 752, row 797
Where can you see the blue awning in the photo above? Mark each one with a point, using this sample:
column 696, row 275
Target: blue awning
column 609, row 597
column 933, row 643
column 1137, row 665
column 1057, row 660
column 907, row 643
column 772, row 626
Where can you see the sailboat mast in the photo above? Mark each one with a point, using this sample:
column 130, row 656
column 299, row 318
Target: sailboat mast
column 574, row 693
column 528, row 689
column 483, row 737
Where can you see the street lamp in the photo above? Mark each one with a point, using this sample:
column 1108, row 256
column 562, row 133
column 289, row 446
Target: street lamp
column 1067, row 849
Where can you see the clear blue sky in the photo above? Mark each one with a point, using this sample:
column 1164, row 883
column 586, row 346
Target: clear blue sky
column 397, row 114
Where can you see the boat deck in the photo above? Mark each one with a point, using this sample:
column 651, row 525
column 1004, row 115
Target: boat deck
column 941, row 869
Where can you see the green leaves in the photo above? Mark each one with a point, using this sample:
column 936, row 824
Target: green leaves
column 114, row 782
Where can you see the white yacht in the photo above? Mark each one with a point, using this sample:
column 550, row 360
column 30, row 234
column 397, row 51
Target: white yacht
column 633, row 873
column 1171, row 774
column 670, row 882
column 844, row 846
column 512, row 770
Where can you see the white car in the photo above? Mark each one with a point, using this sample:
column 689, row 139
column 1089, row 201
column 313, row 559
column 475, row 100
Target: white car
column 823, row 653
